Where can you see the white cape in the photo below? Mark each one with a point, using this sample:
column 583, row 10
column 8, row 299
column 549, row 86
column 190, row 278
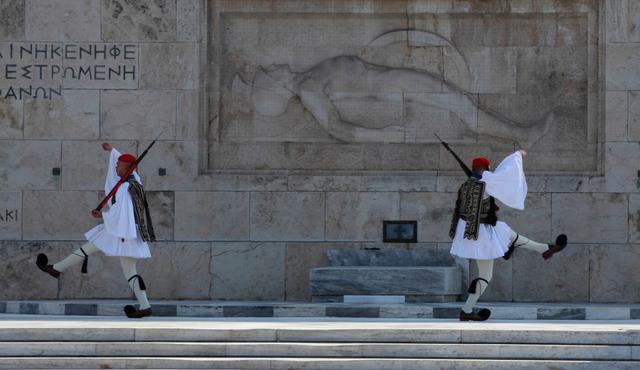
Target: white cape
column 118, row 235
column 508, row 185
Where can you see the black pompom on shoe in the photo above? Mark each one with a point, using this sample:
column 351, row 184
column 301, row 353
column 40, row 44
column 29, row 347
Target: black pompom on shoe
column 42, row 261
column 132, row 313
column 561, row 243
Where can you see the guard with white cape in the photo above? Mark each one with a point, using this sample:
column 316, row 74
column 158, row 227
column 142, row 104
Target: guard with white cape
column 126, row 230
column 476, row 232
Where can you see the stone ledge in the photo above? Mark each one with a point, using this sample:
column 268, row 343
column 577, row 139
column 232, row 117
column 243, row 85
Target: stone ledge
column 218, row 309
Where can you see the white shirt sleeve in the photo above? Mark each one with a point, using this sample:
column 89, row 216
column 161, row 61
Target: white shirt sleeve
column 508, row 183
column 112, row 176
column 119, row 220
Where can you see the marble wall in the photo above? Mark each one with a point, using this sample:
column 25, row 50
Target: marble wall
column 290, row 128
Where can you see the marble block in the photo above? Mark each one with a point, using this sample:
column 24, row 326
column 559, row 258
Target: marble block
column 336, row 281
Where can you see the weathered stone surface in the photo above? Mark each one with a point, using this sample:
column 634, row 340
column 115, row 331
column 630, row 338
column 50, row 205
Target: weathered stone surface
column 138, row 114
column 10, row 215
column 492, row 70
column 294, row 311
column 178, row 270
column 535, row 221
column 605, row 214
column 104, row 278
column 287, row 216
column 391, row 255
column 11, row 113
column 188, row 20
column 433, row 212
column 584, row 160
column 212, row 216
column 607, row 313
column 634, row 218
column 248, row 271
column 21, row 278
column 359, row 216
column 178, row 158
column 399, row 157
column 62, row 20
column 74, row 116
column 616, row 112
column 404, row 182
column 244, row 182
column 614, row 273
column 501, row 286
column 41, row 156
column 143, row 20
column 85, row 163
column 562, row 278
column 362, row 280
column 168, row 274
column 199, row 311
column 169, row 66
column 187, row 124
column 506, row 30
column 621, row 170
column 561, row 314
column 61, row 215
column 559, row 79
column 12, row 20
column 622, row 20
column 621, row 70
column 634, row 116
column 616, row 20
column 161, row 206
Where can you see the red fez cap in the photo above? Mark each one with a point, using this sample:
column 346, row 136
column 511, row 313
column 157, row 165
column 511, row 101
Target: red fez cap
column 481, row 162
column 128, row 158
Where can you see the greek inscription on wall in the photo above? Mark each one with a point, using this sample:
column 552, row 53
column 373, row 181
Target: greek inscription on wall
column 9, row 216
column 43, row 70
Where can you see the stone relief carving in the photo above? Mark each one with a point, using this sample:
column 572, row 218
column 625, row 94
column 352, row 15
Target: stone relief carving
column 330, row 88
column 356, row 91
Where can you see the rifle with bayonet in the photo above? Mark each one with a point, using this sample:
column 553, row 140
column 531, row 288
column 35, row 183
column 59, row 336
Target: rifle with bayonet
column 465, row 168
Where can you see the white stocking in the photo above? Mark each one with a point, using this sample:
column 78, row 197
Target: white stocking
column 130, row 273
column 522, row 242
column 76, row 257
column 485, row 272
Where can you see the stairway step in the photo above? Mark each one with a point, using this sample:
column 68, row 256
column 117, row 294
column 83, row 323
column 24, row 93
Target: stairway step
column 305, row 363
column 92, row 329
column 337, row 336
column 311, row 350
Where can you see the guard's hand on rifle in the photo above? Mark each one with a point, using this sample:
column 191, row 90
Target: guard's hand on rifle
column 107, row 147
column 95, row 213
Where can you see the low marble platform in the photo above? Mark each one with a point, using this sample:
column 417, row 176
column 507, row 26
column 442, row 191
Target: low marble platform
column 416, row 283
column 264, row 309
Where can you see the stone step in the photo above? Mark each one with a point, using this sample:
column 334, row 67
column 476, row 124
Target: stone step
column 62, row 329
column 500, row 311
column 303, row 363
column 432, row 283
column 321, row 350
